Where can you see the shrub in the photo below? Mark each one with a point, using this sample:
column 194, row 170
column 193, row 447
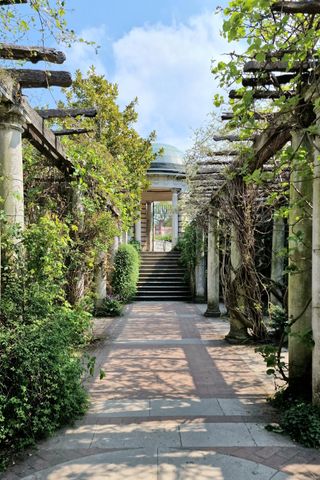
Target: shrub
column 40, row 370
column 278, row 320
column 136, row 244
column 40, row 380
column 302, row 423
column 126, row 272
column 110, row 307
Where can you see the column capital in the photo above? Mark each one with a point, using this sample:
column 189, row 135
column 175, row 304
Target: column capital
column 11, row 117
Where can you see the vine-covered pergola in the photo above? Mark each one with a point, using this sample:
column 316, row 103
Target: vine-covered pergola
column 267, row 168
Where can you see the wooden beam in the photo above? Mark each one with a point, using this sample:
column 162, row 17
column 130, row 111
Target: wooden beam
column 12, row 2
column 72, row 131
column 44, row 140
column 309, row 7
column 270, row 80
column 39, row 78
column 222, row 153
column 256, row 116
column 230, row 138
column 34, row 54
column 67, row 112
column 261, row 94
column 254, row 66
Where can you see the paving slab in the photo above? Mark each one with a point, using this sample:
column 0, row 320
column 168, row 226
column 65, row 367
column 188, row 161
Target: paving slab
column 202, row 465
column 172, row 385
column 185, row 407
column 125, row 465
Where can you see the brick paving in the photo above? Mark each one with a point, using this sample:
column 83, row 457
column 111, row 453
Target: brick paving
column 177, row 403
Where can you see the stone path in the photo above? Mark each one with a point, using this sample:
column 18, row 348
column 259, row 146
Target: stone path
column 177, row 403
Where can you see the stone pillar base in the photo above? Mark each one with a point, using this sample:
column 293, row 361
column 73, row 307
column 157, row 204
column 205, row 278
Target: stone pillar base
column 212, row 312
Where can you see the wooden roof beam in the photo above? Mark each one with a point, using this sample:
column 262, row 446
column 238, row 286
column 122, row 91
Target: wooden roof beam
column 261, row 94
column 72, row 131
column 270, row 80
column 309, row 7
column 67, row 112
column 12, row 2
column 34, row 54
column 254, row 66
column 222, row 153
column 229, row 116
column 28, row 78
column 230, row 138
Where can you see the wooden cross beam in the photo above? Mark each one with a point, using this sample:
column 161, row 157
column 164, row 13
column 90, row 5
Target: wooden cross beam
column 261, row 94
column 254, row 66
column 39, row 78
column 230, row 138
column 309, row 7
column 34, row 54
column 11, row 2
column 230, row 116
column 72, row 131
column 222, row 153
column 67, row 112
column 270, row 80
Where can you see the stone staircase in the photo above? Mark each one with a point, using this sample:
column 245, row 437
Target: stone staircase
column 162, row 278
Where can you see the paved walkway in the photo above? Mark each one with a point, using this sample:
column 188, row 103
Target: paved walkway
column 177, row 403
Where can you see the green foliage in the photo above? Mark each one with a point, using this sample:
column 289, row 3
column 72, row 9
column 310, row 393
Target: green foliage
column 40, row 380
column 136, row 244
column 189, row 245
column 298, row 419
column 278, row 320
column 110, row 307
column 40, row 369
column 165, row 238
column 126, row 272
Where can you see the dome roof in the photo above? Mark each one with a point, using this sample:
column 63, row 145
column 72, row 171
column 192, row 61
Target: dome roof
column 170, row 160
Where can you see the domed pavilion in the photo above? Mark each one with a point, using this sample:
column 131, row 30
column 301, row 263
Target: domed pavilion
column 167, row 183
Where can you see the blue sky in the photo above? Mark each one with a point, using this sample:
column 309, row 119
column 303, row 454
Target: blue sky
column 157, row 50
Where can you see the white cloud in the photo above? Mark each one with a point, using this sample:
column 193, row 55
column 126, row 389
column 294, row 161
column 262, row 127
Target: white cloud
column 168, row 68
column 82, row 56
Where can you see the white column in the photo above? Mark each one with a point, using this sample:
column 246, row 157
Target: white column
column 11, row 171
column 149, row 226
column 316, row 275
column 200, row 281
column 300, row 272
column 277, row 260
column 213, row 269
column 175, row 218
column 138, row 231
column 100, row 279
column 125, row 237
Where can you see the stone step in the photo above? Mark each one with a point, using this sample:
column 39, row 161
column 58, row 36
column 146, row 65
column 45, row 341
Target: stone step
column 162, row 290
column 159, row 298
column 161, row 268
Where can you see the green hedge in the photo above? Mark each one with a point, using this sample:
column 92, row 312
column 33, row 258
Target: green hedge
column 126, row 272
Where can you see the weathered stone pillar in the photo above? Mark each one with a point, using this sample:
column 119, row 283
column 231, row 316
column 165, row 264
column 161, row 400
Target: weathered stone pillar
column 213, row 268
column 300, row 268
column 277, row 261
column 175, row 218
column 200, row 281
column 124, row 237
column 100, row 279
column 11, row 170
column 149, row 217
column 316, row 273
column 137, row 231
column 11, row 167
column 238, row 331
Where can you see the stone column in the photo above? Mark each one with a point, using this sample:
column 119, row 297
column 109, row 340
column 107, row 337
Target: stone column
column 11, row 167
column 238, row 331
column 149, row 225
column 213, row 268
column 124, row 237
column 100, row 279
column 277, row 261
column 137, row 231
column 11, row 170
column 175, row 218
column 200, row 283
column 316, row 273
column 300, row 267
